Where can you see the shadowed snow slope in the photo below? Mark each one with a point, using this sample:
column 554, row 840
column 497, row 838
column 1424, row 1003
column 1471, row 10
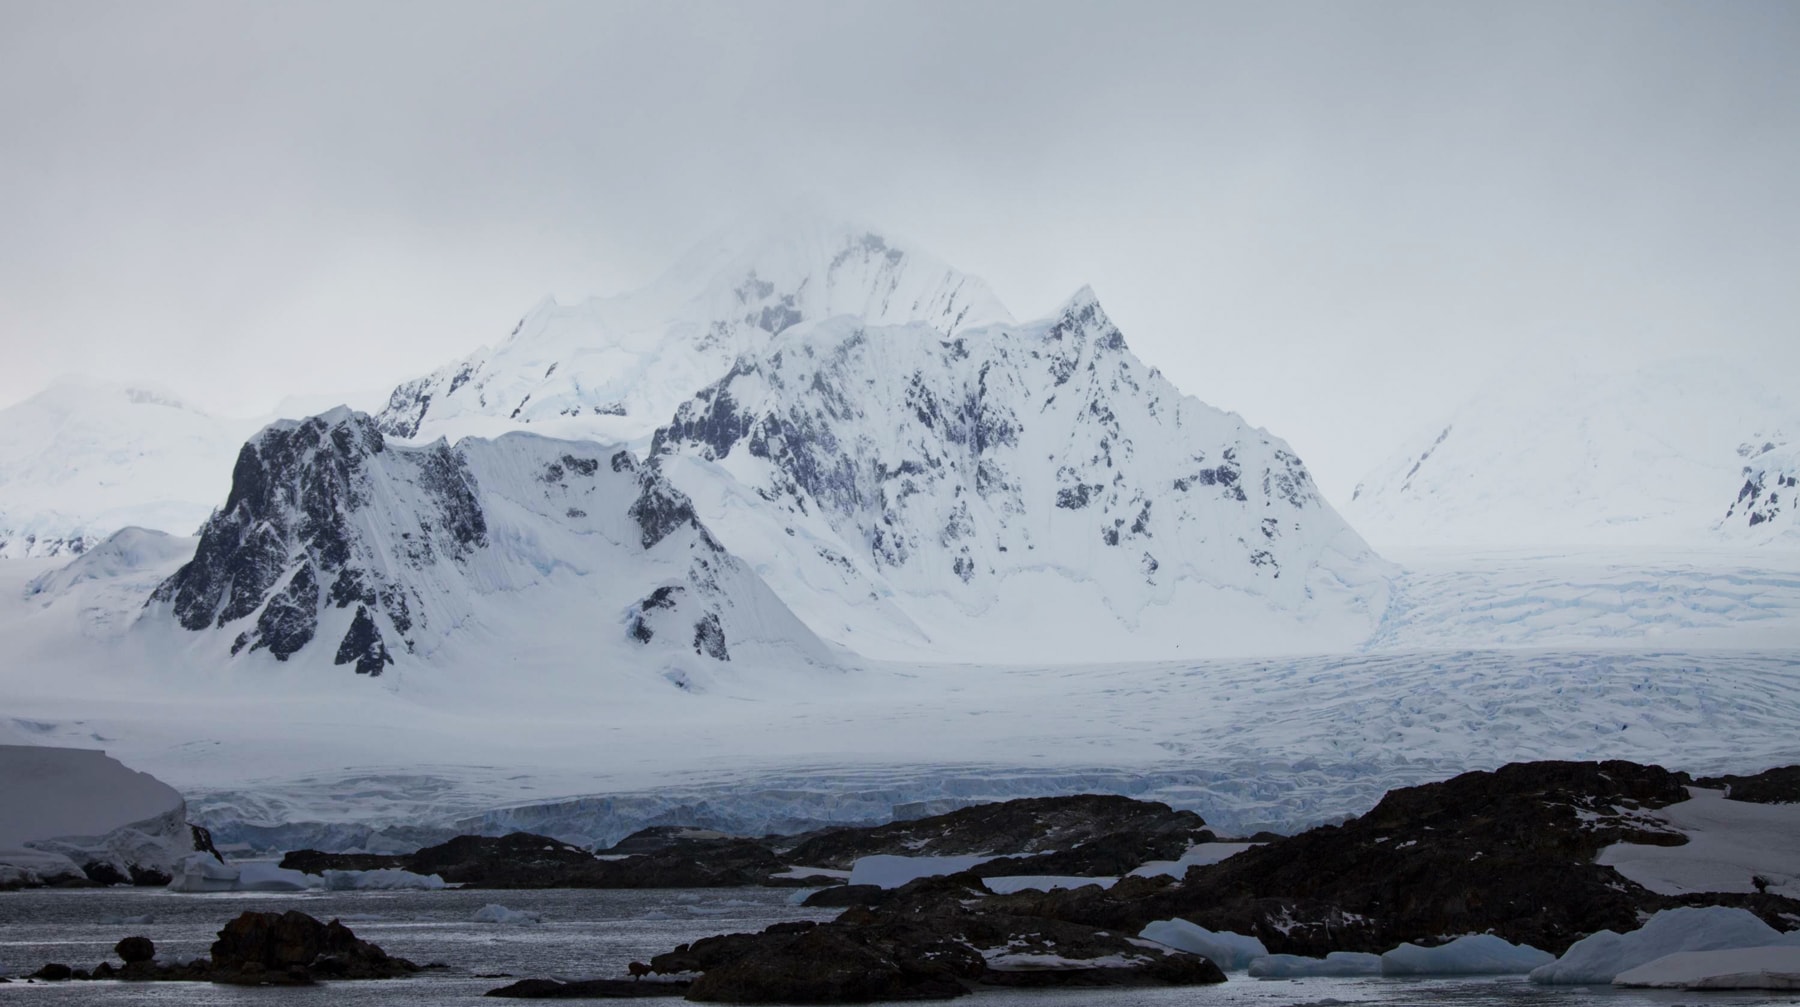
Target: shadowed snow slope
column 616, row 367
column 1015, row 493
column 1688, row 453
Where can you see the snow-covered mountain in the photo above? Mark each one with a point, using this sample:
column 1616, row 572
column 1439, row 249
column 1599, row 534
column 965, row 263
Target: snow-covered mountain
column 83, row 458
column 615, row 368
column 1683, row 454
column 343, row 550
column 1014, row 493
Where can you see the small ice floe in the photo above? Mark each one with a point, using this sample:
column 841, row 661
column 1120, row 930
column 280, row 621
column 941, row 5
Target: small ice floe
column 1468, row 955
column 496, row 913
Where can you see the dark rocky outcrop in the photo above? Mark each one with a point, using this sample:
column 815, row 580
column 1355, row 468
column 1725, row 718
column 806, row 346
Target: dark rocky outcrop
column 932, row 939
column 256, row 949
column 1509, row 852
column 1773, row 786
column 135, row 949
column 525, row 860
column 1115, row 829
column 292, row 947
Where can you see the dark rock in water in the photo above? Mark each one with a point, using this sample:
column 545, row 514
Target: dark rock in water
column 591, row 989
column 135, row 949
column 315, row 862
column 931, row 939
column 292, row 948
column 1774, row 786
column 523, row 860
column 1509, row 852
column 841, row 896
column 1025, row 827
column 53, row 972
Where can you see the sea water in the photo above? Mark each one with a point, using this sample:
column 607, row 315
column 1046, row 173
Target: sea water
column 586, row 934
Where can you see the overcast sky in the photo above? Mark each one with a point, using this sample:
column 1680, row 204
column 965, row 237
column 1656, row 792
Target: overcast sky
column 1334, row 218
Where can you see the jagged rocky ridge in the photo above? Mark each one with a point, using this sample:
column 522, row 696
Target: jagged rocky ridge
column 379, row 551
column 1766, row 502
column 617, row 367
column 986, row 493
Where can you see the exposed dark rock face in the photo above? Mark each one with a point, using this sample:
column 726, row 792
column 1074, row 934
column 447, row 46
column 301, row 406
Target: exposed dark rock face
column 1772, row 786
column 1509, row 852
column 931, row 939
column 290, row 527
column 524, row 860
column 283, row 948
column 844, row 896
column 363, row 645
column 1100, row 830
column 256, row 949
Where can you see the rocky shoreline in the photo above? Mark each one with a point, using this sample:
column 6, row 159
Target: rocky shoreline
column 1517, row 855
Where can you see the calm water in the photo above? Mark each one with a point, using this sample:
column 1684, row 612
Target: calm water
column 589, row 933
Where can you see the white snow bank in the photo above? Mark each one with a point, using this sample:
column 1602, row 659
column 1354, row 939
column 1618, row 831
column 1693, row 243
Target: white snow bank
column 1732, row 847
column 1468, row 955
column 1229, row 951
column 1010, row 883
column 1337, row 963
column 889, row 871
column 1198, row 855
column 1770, row 968
column 67, row 807
column 388, row 879
column 496, row 913
column 1600, row 957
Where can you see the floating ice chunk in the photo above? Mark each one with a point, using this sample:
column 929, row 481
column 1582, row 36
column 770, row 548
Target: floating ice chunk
column 1337, row 963
column 889, row 871
column 1041, row 883
column 266, row 877
column 202, row 872
column 1600, row 957
column 1767, row 968
column 387, row 879
column 1229, row 951
column 129, row 921
column 496, row 913
column 1468, row 955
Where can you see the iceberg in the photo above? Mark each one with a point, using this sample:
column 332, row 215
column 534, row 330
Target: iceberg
column 495, row 913
column 203, row 872
column 1768, row 968
column 1229, row 951
column 1468, row 955
column 1601, row 957
column 388, row 879
column 1337, row 963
